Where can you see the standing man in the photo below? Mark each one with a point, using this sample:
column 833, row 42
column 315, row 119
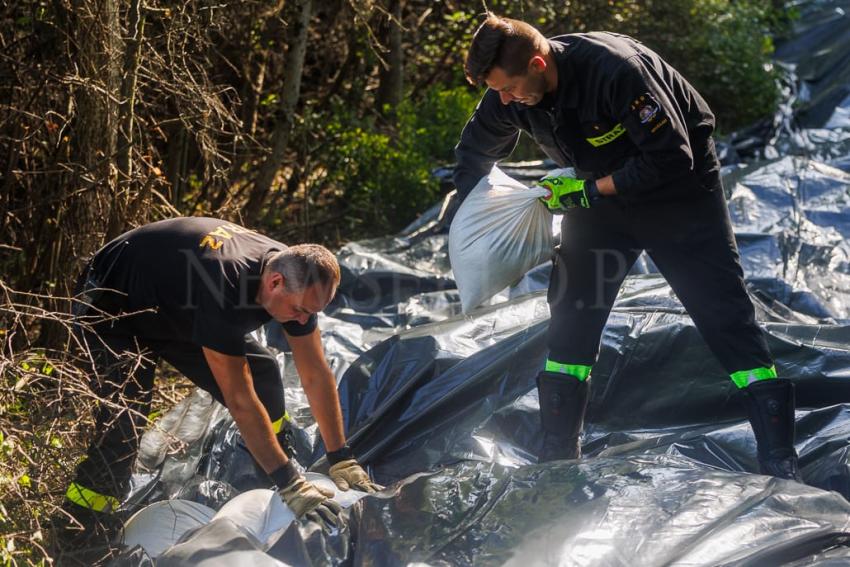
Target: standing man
column 188, row 290
column 639, row 137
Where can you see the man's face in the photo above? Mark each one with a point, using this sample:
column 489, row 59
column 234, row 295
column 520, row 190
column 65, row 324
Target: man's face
column 527, row 89
column 285, row 305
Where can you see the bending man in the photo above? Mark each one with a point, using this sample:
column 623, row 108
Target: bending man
column 188, row 290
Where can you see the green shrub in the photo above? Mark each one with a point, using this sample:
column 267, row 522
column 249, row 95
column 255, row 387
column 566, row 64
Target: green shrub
column 382, row 177
column 433, row 123
column 380, row 184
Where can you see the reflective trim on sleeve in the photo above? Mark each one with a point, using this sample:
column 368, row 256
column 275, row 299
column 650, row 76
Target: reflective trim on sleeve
column 744, row 378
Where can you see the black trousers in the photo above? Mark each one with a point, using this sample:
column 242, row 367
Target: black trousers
column 691, row 243
column 122, row 374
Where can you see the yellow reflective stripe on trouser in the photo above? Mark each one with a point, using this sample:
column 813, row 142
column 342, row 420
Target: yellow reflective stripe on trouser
column 278, row 425
column 87, row 498
column 607, row 137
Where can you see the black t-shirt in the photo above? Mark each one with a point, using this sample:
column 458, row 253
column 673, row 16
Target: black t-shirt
column 200, row 276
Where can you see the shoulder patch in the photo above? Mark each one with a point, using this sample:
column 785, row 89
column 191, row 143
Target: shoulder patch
column 645, row 108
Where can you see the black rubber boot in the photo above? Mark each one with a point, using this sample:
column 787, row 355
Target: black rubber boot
column 563, row 400
column 770, row 405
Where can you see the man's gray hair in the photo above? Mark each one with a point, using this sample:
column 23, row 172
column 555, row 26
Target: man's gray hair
column 304, row 265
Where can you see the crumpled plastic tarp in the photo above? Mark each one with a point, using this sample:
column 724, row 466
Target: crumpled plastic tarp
column 443, row 408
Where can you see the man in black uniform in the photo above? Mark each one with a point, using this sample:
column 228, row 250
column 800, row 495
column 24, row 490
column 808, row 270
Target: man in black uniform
column 639, row 137
column 188, row 290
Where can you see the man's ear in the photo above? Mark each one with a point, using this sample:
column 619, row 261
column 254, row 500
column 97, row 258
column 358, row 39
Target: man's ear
column 277, row 280
column 537, row 64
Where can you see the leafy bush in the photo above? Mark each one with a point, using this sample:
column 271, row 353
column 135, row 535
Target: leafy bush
column 383, row 177
column 433, row 124
column 736, row 72
column 379, row 183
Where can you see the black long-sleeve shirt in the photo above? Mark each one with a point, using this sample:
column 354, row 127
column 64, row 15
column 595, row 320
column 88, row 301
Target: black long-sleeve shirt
column 619, row 109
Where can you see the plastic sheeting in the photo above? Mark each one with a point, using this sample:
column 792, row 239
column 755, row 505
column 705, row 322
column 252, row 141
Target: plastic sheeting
column 442, row 408
column 642, row 510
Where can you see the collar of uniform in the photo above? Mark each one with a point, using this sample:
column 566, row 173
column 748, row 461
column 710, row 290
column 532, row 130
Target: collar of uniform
column 567, row 91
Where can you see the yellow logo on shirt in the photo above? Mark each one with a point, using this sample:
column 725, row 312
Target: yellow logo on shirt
column 215, row 239
column 607, row 137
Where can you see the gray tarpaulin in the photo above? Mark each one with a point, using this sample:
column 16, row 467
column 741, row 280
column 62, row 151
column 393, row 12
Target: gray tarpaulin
column 442, row 408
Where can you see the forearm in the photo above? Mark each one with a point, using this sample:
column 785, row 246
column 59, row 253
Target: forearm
column 256, row 429
column 233, row 376
column 324, row 403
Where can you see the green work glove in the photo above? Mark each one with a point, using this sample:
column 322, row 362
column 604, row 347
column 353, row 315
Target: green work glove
column 349, row 474
column 568, row 193
column 310, row 501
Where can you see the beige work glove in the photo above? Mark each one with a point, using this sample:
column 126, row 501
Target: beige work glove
column 349, row 474
column 311, row 501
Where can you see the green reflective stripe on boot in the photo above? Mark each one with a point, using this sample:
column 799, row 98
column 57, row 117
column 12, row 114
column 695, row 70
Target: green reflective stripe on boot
column 87, row 498
column 580, row 371
column 278, row 425
column 744, row 378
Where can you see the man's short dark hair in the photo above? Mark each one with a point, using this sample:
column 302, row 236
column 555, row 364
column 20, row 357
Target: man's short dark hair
column 304, row 265
column 502, row 42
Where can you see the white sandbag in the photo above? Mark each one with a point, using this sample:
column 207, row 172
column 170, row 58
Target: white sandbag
column 263, row 514
column 158, row 526
column 260, row 512
column 500, row 231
